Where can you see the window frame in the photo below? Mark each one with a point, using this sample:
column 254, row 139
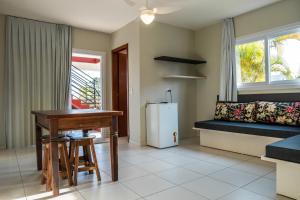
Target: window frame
column 266, row 36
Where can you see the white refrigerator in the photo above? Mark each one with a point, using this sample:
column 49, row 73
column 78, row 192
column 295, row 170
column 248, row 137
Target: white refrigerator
column 162, row 124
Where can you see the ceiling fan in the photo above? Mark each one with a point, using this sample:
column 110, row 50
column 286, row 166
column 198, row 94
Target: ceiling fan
column 147, row 12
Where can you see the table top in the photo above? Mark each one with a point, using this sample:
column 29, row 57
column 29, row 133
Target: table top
column 51, row 114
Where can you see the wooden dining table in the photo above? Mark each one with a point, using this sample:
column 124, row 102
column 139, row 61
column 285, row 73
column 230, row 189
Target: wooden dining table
column 66, row 120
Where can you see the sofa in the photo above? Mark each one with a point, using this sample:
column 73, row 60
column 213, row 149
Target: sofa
column 250, row 122
column 269, row 128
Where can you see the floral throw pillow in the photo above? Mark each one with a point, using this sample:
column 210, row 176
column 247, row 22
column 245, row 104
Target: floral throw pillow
column 288, row 113
column 221, row 112
column 266, row 111
column 235, row 111
column 241, row 112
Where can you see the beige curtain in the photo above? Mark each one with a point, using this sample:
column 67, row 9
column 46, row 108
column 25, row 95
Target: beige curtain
column 228, row 86
column 37, row 71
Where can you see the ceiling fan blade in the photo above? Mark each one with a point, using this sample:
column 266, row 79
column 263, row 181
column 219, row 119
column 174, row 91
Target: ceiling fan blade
column 130, row 2
column 165, row 3
column 165, row 10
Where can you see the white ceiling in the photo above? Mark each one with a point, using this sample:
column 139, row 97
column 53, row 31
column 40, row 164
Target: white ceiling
column 110, row 15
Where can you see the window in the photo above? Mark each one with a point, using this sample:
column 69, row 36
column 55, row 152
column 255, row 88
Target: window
column 269, row 60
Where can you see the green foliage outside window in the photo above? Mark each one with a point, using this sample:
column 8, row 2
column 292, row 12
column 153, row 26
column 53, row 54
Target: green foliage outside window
column 252, row 59
column 252, row 62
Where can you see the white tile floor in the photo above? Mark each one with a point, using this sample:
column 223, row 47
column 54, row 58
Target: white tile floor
column 187, row 172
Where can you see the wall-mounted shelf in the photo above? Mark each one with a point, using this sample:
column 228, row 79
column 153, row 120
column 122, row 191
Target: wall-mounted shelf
column 184, row 77
column 180, row 60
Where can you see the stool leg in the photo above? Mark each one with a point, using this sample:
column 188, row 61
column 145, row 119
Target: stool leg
column 76, row 163
column 71, row 151
column 95, row 160
column 49, row 175
column 67, row 163
column 45, row 164
column 87, row 156
column 71, row 155
column 62, row 163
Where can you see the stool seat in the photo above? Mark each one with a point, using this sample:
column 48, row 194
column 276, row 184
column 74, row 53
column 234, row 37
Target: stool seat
column 82, row 137
column 79, row 135
column 47, row 136
column 46, row 140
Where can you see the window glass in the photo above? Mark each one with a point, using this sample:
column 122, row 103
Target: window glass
column 251, row 62
column 285, row 57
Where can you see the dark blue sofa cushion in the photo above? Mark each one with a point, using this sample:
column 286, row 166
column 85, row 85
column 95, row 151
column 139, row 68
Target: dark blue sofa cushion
column 288, row 149
column 270, row 130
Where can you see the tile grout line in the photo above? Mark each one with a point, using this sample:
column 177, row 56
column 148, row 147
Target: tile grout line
column 180, row 186
column 148, row 194
column 131, row 179
column 150, row 173
column 243, row 187
column 156, row 175
column 20, row 174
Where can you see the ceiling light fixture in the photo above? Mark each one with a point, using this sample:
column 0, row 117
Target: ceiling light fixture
column 148, row 12
column 147, row 16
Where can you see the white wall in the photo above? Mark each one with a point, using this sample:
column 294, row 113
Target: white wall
column 278, row 14
column 145, row 75
column 160, row 39
column 208, row 45
column 100, row 42
column 130, row 34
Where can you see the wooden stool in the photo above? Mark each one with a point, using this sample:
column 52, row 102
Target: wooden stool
column 89, row 164
column 64, row 163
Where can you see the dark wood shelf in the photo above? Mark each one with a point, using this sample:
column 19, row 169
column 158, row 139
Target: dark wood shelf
column 184, row 77
column 180, row 60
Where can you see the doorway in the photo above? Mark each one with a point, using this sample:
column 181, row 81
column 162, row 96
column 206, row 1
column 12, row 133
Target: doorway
column 120, row 86
column 86, row 80
column 87, row 85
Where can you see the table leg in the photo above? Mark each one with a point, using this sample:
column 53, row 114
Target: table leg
column 54, row 156
column 38, row 146
column 114, row 148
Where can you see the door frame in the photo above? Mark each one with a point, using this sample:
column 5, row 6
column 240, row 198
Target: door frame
column 114, row 85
